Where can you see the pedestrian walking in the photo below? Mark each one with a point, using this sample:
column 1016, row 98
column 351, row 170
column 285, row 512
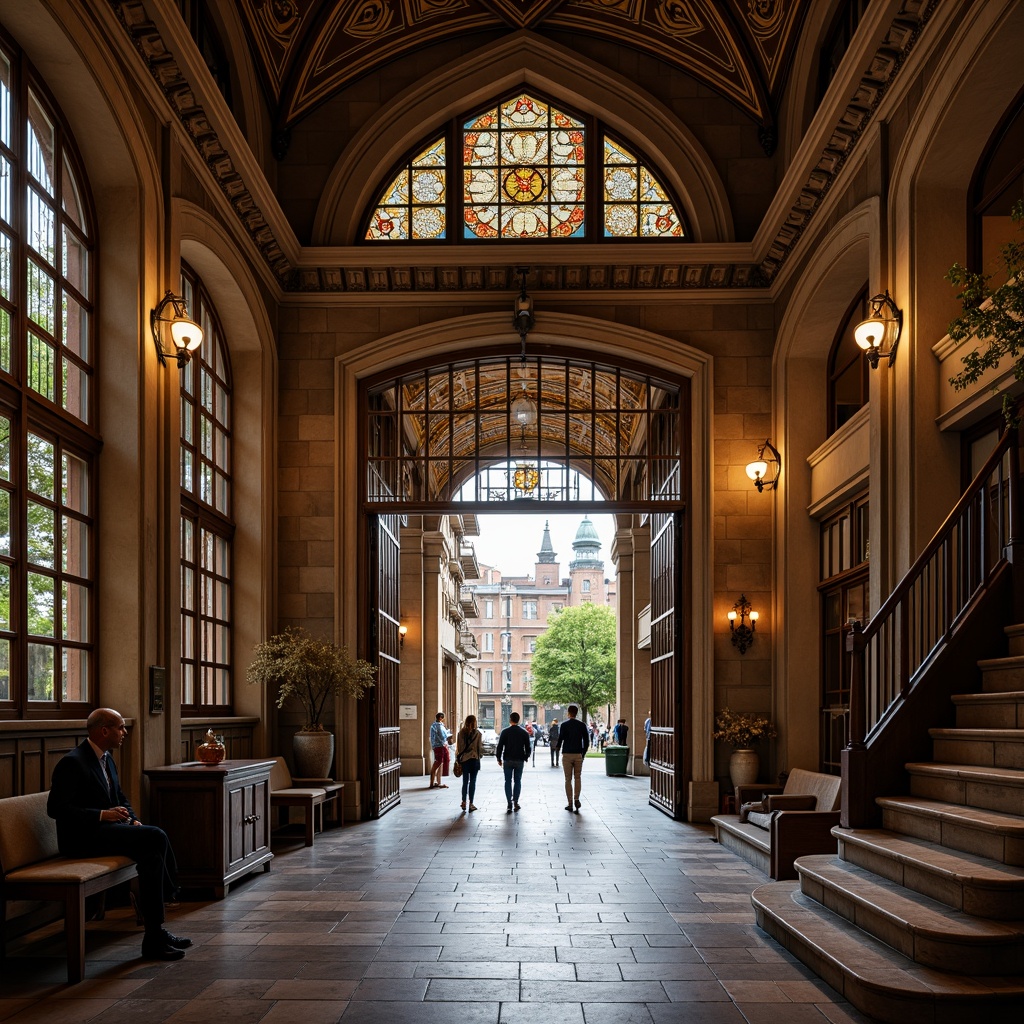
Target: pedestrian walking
column 647, row 743
column 512, row 753
column 553, row 742
column 440, row 737
column 469, row 752
column 573, row 742
column 621, row 732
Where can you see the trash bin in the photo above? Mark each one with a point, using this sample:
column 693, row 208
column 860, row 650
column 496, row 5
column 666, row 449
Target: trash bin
column 616, row 759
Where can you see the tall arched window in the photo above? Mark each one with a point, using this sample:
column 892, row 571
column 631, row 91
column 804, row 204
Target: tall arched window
column 847, row 367
column 523, row 168
column 998, row 183
column 48, row 440
column 206, row 524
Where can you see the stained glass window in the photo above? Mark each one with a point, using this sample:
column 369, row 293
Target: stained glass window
column 635, row 203
column 519, row 170
column 523, row 167
column 413, row 205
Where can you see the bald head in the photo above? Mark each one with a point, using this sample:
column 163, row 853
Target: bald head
column 106, row 728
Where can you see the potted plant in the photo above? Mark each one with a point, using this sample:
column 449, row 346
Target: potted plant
column 309, row 670
column 741, row 732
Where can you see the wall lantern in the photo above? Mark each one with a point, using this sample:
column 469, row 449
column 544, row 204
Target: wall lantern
column 883, row 327
column 402, row 630
column 758, row 469
column 742, row 634
column 176, row 335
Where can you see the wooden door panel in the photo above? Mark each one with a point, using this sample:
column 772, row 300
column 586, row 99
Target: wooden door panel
column 385, row 774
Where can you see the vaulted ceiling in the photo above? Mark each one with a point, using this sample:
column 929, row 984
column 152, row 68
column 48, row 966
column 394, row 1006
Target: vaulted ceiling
column 307, row 50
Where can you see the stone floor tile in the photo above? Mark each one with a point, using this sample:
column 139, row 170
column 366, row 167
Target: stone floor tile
column 474, row 990
column 619, row 1013
column 696, row 991
column 614, row 916
column 553, row 1013
column 370, row 1012
column 305, row 1012
column 479, row 969
column 388, row 989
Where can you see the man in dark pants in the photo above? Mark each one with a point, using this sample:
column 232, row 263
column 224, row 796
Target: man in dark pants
column 553, row 742
column 94, row 818
column 573, row 742
column 514, row 748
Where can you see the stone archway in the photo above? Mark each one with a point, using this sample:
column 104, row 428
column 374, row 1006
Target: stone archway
column 568, row 334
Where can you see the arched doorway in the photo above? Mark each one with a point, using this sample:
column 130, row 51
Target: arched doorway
column 528, row 432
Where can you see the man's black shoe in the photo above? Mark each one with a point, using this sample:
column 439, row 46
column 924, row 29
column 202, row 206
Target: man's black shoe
column 157, row 949
column 176, row 941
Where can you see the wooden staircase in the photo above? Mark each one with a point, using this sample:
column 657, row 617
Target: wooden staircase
column 921, row 921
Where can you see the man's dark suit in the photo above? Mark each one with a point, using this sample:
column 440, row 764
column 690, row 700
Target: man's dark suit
column 78, row 792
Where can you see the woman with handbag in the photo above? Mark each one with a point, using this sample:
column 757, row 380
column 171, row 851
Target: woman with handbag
column 468, row 752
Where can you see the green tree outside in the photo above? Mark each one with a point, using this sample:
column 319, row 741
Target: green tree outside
column 575, row 659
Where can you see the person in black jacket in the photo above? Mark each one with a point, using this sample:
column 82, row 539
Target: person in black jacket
column 514, row 747
column 553, row 742
column 94, row 818
column 573, row 742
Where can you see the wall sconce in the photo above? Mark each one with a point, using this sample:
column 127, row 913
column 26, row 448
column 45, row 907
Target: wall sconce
column 742, row 635
column 758, row 470
column 402, row 630
column 883, row 326
column 184, row 334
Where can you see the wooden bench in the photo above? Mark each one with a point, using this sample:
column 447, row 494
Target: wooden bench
column 311, row 795
column 773, row 838
column 32, row 868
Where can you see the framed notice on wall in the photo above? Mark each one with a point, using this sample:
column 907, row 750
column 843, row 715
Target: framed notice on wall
column 407, row 711
column 157, row 684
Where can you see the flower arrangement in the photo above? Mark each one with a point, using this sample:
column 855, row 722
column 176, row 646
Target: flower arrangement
column 309, row 670
column 739, row 730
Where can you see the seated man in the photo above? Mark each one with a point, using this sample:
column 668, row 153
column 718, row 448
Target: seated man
column 94, row 818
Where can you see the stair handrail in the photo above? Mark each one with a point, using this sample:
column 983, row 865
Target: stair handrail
column 868, row 709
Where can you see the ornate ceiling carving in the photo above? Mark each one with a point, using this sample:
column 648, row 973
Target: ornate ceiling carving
column 420, row 273
column 307, row 50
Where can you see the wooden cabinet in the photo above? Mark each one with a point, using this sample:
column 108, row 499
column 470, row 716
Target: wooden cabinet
column 217, row 818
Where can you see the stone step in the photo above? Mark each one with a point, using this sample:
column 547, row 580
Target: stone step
column 986, row 833
column 1001, row 675
column 963, row 881
column 876, row 979
column 995, row 789
column 922, row 929
column 1015, row 636
column 990, row 710
column 1000, row 748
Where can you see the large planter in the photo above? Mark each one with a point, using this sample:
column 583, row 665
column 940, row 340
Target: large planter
column 314, row 754
column 743, row 767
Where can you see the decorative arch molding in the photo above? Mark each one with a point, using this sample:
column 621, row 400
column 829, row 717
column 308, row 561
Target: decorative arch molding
column 976, row 75
column 522, row 59
column 249, row 334
column 567, row 333
column 954, row 120
column 845, row 258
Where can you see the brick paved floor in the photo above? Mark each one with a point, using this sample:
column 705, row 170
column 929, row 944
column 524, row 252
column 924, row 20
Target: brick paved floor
column 616, row 915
